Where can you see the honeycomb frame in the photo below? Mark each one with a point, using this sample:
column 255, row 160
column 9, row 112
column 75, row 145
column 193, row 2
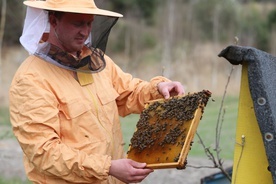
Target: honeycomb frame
column 165, row 130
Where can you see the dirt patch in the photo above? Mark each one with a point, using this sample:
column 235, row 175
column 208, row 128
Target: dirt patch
column 12, row 167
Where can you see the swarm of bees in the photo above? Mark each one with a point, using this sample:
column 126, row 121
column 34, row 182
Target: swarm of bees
column 165, row 130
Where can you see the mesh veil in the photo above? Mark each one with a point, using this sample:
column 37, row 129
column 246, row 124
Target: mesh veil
column 36, row 24
column 101, row 28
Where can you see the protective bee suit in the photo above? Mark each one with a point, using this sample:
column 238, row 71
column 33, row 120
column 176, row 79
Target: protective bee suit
column 68, row 130
column 67, row 121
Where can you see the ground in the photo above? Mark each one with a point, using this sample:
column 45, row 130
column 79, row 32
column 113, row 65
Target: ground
column 12, row 166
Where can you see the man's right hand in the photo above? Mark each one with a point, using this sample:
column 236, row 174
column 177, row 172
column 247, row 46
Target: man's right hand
column 129, row 171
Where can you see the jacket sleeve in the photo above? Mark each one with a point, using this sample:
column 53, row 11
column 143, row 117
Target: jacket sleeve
column 34, row 116
column 133, row 92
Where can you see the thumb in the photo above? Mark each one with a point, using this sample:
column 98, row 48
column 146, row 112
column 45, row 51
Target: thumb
column 138, row 165
column 166, row 94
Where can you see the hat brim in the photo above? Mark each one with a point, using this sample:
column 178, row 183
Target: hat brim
column 84, row 10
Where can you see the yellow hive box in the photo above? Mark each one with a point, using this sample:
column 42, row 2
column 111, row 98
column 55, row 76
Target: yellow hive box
column 165, row 130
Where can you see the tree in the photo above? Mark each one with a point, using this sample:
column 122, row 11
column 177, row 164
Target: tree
column 142, row 8
column 2, row 31
column 168, row 33
column 14, row 17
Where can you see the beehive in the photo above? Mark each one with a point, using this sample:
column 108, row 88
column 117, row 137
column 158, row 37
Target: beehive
column 165, row 130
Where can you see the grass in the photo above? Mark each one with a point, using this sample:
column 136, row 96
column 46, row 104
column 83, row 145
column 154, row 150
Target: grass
column 4, row 116
column 6, row 131
column 13, row 181
column 206, row 129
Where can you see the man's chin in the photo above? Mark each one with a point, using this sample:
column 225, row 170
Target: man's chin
column 76, row 48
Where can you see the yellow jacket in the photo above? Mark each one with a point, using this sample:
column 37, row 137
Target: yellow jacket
column 68, row 132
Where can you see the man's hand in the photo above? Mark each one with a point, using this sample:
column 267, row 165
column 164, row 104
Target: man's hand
column 128, row 170
column 168, row 89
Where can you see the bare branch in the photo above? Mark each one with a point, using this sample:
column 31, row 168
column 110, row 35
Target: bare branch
column 208, row 153
column 242, row 144
column 217, row 161
column 219, row 120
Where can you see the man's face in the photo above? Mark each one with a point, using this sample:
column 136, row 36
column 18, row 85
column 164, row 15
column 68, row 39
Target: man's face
column 72, row 30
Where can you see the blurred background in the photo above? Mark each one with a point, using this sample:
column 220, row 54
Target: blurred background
column 179, row 39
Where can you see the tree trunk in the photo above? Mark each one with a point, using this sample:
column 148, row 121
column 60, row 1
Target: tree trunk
column 2, row 30
column 168, row 32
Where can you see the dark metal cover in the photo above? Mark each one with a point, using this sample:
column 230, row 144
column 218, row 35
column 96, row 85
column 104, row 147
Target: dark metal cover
column 262, row 84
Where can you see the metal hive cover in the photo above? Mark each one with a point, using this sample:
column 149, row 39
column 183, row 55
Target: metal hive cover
column 166, row 129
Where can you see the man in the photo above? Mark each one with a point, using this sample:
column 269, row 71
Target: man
column 66, row 98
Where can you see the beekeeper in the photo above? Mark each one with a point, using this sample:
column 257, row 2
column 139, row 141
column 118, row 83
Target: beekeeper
column 67, row 96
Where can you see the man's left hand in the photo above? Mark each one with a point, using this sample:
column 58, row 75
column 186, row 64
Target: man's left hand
column 168, row 89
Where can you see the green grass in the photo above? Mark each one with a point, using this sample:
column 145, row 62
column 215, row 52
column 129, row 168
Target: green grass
column 13, row 181
column 206, row 128
column 4, row 116
column 208, row 124
column 6, row 131
column 128, row 127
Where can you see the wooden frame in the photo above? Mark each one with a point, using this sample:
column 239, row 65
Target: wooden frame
column 170, row 155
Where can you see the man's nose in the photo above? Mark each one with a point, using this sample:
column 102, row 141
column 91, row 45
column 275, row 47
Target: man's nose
column 85, row 30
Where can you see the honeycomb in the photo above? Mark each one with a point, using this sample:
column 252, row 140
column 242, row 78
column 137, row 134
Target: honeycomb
column 165, row 130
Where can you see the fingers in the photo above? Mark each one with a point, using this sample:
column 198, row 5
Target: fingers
column 138, row 179
column 139, row 172
column 137, row 165
column 141, row 168
column 128, row 170
column 168, row 89
column 179, row 88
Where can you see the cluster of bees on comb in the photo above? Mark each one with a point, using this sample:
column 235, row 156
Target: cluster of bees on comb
column 162, row 126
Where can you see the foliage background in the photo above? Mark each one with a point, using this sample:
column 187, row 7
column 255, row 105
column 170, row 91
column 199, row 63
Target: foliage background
column 179, row 39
